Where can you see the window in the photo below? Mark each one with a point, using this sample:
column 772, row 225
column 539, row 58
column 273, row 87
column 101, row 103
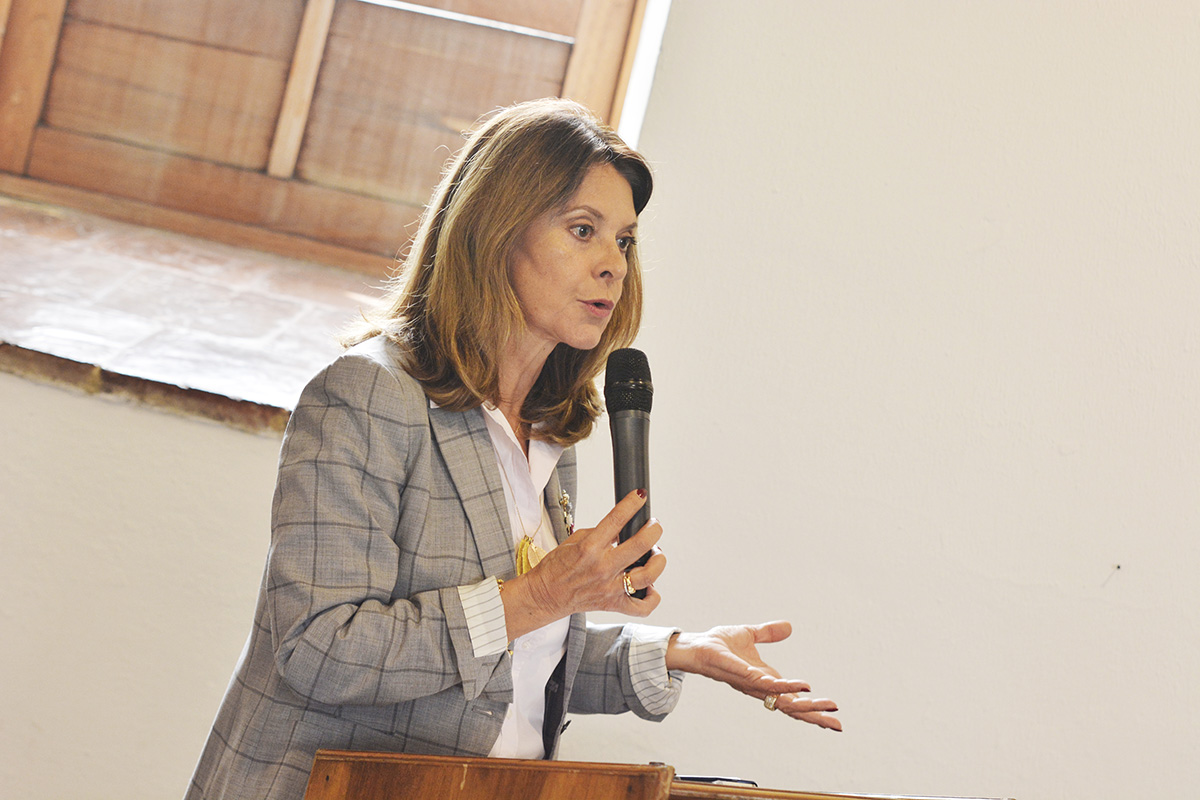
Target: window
column 310, row 127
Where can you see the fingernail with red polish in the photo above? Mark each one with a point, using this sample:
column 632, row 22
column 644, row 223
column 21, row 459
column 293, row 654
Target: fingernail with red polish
column 642, row 493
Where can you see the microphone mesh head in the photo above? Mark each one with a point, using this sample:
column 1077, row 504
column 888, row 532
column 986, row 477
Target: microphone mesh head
column 627, row 385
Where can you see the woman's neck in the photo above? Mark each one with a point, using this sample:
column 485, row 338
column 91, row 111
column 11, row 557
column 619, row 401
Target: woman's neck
column 519, row 370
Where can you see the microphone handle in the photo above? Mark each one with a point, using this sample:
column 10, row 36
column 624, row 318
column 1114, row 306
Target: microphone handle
column 631, row 470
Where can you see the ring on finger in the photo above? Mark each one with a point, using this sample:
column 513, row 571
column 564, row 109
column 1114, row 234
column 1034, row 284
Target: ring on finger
column 770, row 700
column 629, row 590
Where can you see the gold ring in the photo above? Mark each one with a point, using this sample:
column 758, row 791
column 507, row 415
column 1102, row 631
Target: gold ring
column 628, row 586
column 770, row 700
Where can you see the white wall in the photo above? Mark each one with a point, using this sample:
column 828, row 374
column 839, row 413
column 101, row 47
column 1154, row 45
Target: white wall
column 922, row 318
column 131, row 546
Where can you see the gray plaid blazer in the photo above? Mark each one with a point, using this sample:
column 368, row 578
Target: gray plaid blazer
column 383, row 507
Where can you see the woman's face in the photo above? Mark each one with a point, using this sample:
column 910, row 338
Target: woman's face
column 570, row 263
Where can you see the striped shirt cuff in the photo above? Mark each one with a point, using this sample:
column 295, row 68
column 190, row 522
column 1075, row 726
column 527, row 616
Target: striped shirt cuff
column 485, row 617
column 656, row 689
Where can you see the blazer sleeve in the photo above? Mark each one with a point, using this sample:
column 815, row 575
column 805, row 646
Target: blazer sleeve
column 341, row 632
column 623, row 669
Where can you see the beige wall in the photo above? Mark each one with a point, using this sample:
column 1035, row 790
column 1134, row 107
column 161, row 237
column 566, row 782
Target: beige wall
column 922, row 319
column 133, row 543
column 924, row 326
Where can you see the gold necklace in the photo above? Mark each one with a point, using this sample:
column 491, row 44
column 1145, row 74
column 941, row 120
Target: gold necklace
column 528, row 553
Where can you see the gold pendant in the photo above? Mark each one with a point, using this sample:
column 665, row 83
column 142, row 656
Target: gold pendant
column 528, row 555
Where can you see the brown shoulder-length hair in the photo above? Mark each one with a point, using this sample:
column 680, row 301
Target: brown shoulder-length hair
column 452, row 307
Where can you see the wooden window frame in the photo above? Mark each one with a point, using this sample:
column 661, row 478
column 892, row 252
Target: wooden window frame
column 597, row 75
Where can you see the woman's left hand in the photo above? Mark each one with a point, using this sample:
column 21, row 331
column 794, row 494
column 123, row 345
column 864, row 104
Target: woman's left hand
column 729, row 654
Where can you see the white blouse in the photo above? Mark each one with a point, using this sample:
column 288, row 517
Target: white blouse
column 536, row 654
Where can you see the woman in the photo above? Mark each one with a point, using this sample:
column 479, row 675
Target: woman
column 425, row 590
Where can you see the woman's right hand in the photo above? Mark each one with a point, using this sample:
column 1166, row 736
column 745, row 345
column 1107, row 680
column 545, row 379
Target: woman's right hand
column 586, row 573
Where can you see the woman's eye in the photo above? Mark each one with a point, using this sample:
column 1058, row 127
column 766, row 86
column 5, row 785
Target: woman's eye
column 626, row 242
column 582, row 231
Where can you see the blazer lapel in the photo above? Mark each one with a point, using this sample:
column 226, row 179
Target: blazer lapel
column 577, row 633
column 467, row 452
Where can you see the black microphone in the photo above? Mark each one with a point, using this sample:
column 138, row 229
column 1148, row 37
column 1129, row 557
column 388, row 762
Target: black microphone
column 628, row 395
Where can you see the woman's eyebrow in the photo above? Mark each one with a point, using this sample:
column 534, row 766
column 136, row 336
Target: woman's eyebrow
column 596, row 213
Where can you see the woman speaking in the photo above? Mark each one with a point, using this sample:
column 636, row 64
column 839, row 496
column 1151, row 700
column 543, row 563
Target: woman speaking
column 425, row 588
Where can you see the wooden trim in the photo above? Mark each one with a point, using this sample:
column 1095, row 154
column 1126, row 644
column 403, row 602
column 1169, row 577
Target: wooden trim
column 234, row 233
column 349, row 775
column 291, row 207
column 598, row 54
column 631, row 47
column 301, row 83
column 245, row 415
column 26, row 61
column 684, row 790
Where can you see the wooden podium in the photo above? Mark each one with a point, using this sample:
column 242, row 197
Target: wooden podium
column 347, row 775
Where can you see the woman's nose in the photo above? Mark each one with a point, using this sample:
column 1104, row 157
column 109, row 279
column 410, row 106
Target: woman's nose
column 614, row 264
